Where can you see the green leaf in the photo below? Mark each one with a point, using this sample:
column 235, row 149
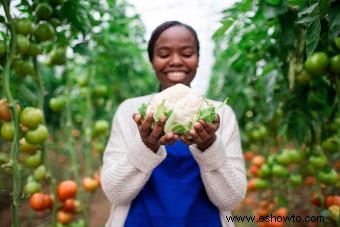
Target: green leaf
column 312, row 36
column 161, row 111
column 273, row 2
column 207, row 114
column 334, row 21
column 223, row 29
column 307, row 19
column 324, row 7
column 180, row 129
column 142, row 110
column 309, row 9
column 81, row 48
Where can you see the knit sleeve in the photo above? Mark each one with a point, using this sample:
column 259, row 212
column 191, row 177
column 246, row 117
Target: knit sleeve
column 222, row 164
column 127, row 161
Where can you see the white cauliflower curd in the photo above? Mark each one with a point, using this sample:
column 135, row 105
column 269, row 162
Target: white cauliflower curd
column 181, row 105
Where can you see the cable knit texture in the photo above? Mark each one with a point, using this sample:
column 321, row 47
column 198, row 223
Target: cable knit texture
column 128, row 163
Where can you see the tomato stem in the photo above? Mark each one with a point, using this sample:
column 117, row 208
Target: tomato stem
column 14, row 115
column 87, row 123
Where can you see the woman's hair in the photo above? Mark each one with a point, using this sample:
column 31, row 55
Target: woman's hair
column 161, row 28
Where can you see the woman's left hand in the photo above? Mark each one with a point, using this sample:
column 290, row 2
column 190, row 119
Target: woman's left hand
column 202, row 134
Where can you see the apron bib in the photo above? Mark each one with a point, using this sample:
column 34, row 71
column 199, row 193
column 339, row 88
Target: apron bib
column 174, row 196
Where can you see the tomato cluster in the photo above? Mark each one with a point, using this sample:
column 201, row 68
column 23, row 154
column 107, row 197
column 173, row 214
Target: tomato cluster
column 66, row 192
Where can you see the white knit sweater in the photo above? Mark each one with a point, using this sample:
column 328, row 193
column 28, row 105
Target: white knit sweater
column 128, row 163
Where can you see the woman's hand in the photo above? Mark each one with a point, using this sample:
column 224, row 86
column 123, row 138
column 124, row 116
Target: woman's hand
column 153, row 137
column 202, row 134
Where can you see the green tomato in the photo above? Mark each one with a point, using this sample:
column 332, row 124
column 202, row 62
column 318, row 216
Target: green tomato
column 57, row 56
column 32, row 187
column 22, row 44
column 3, row 158
column 34, row 50
column 296, row 156
column 295, row 180
column 328, row 177
column 44, row 32
column 7, row 131
column 101, row 127
column 318, row 161
column 335, row 64
column 57, row 103
column 317, row 63
column 280, row 171
column 334, row 211
column 284, row 158
column 26, row 147
column 31, row 117
column 35, row 160
column 43, row 11
column 264, row 171
column 82, row 81
column 23, row 26
column 40, row 173
column 303, row 78
column 100, row 90
column 331, row 145
column 261, row 184
column 37, row 135
column 308, row 170
column 23, row 68
column 337, row 42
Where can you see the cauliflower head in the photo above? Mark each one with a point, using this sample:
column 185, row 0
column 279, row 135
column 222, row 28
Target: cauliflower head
column 181, row 105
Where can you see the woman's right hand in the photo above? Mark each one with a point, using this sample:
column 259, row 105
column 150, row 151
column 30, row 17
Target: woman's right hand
column 153, row 137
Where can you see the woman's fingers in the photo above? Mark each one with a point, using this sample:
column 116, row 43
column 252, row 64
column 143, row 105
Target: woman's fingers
column 187, row 139
column 145, row 126
column 198, row 133
column 213, row 127
column 156, row 133
column 137, row 118
column 169, row 138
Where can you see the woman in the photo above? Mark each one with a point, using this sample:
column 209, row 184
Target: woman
column 154, row 179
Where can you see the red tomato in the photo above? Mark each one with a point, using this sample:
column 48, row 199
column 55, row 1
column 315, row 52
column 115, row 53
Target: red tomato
column 40, row 201
column 282, row 212
column 64, row 217
column 258, row 160
column 315, row 199
column 249, row 155
column 66, row 190
column 90, row 184
column 69, row 205
column 332, row 200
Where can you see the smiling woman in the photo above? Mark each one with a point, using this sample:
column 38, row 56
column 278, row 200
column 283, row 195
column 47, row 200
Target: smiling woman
column 154, row 178
column 174, row 52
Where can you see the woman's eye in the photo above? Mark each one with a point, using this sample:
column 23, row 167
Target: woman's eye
column 187, row 55
column 163, row 55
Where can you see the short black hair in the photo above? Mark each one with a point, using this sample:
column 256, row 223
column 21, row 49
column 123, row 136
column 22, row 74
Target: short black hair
column 161, row 28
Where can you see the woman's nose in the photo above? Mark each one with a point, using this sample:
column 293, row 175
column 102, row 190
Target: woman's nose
column 175, row 60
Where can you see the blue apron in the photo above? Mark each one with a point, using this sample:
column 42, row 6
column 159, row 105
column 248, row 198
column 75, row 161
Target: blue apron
column 174, row 196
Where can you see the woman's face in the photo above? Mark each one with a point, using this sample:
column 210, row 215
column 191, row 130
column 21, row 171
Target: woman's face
column 175, row 57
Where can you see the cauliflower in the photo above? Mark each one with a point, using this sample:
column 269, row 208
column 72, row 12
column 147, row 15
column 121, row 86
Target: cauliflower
column 181, row 105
